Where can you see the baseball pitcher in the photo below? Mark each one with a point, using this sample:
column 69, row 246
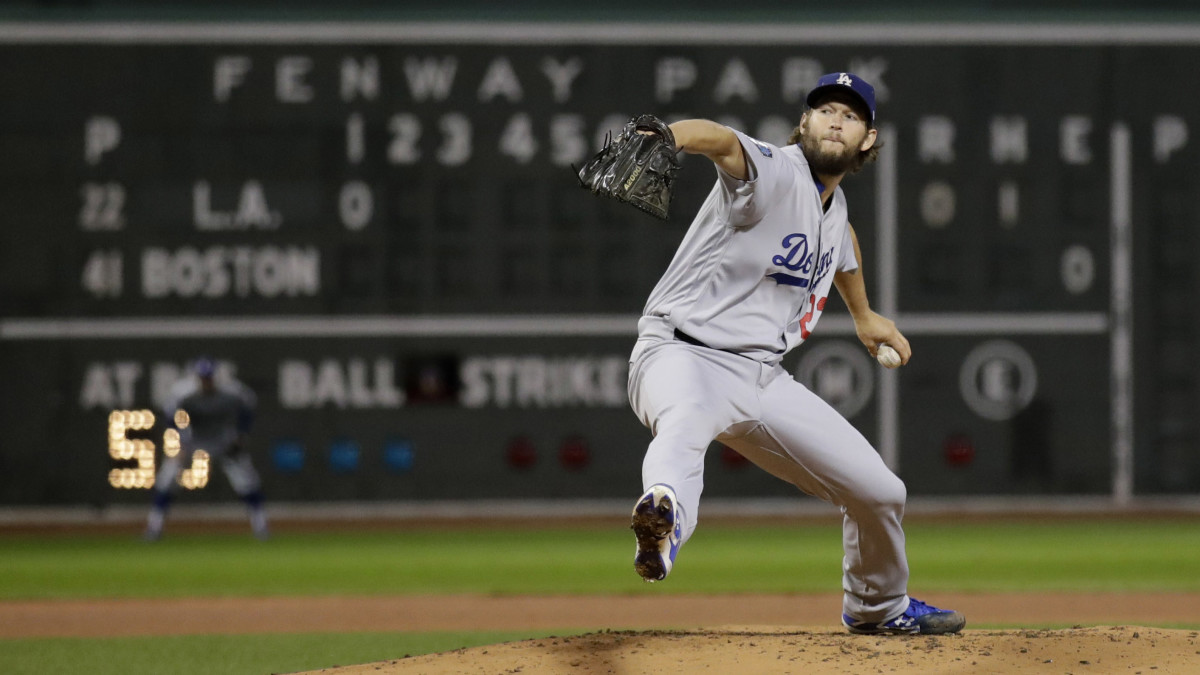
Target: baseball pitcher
column 749, row 283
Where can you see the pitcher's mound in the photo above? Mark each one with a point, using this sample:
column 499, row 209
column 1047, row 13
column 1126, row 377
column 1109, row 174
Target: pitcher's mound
column 757, row 649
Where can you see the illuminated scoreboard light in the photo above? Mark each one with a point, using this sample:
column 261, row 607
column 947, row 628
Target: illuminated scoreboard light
column 141, row 451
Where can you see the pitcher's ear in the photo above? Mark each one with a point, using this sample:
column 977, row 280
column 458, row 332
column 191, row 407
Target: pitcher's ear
column 872, row 135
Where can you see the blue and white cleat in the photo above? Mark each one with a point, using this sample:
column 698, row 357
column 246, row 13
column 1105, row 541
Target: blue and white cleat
column 918, row 618
column 658, row 527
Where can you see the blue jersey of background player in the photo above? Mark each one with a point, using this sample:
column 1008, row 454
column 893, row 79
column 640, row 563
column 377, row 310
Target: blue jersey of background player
column 214, row 413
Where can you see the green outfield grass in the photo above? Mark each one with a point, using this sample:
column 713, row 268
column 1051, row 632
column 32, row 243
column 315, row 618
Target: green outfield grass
column 1071, row 555
column 979, row 556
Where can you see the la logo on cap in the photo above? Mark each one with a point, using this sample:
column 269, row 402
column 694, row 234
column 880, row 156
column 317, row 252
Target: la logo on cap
column 844, row 83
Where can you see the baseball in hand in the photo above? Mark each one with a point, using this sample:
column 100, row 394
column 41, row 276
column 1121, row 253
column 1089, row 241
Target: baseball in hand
column 887, row 357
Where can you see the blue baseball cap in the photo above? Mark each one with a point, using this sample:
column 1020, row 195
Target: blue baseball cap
column 846, row 82
column 204, row 367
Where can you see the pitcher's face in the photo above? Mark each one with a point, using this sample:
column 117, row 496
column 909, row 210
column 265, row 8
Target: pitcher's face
column 832, row 135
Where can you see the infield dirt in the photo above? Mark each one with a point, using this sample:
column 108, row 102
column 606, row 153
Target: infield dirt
column 736, row 650
column 678, row 634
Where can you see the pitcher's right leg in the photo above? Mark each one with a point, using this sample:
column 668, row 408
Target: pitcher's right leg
column 684, row 394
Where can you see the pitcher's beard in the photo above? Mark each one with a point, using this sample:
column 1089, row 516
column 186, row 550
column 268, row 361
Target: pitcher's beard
column 828, row 163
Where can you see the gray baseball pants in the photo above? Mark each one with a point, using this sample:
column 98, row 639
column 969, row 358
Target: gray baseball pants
column 689, row 395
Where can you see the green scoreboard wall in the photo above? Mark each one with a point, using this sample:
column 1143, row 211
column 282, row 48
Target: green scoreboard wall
column 377, row 227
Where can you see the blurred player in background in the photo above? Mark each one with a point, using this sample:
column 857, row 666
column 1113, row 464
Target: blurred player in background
column 213, row 412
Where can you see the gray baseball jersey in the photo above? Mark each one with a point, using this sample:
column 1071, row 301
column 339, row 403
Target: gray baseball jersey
column 752, row 274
